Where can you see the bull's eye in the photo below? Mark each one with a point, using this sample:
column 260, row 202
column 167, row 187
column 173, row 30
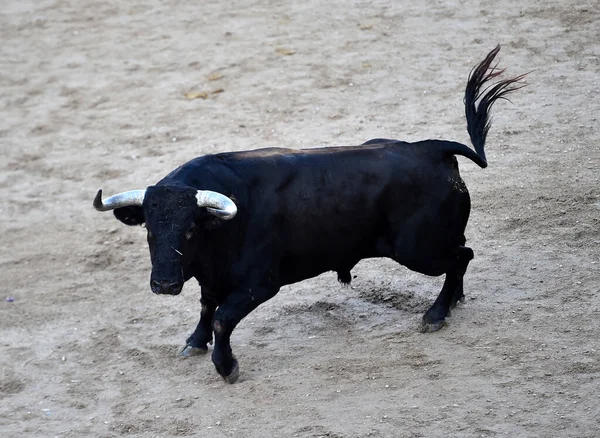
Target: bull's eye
column 190, row 233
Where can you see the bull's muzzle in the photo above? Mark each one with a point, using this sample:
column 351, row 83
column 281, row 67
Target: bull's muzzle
column 166, row 287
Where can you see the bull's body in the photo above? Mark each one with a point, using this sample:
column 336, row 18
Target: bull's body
column 304, row 212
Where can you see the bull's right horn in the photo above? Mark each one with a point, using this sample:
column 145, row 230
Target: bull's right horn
column 125, row 199
column 217, row 204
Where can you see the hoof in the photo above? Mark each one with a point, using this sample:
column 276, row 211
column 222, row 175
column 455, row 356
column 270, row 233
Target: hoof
column 455, row 302
column 234, row 375
column 189, row 351
column 428, row 327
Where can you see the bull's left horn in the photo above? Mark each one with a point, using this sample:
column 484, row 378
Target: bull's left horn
column 125, row 199
column 217, row 204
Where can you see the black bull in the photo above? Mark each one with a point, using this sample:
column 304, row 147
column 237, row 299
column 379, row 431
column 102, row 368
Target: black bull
column 244, row 224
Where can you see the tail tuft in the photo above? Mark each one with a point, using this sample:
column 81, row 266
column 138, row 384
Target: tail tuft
column 478, row 118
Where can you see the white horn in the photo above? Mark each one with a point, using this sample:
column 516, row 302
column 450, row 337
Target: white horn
column 217, row 204
column 125, row 199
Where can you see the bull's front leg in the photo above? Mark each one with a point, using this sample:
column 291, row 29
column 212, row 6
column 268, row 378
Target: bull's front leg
column 197, row 343
column 235, row 307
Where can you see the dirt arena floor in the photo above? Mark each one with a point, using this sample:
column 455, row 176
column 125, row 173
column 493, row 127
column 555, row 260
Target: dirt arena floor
column 115, row 94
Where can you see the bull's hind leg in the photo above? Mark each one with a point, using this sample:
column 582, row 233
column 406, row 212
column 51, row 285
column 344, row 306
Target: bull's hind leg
column 451, row 292
column 198, row 341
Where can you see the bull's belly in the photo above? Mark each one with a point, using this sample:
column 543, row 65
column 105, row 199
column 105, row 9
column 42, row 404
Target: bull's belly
column 293, row 269
column 296, row 267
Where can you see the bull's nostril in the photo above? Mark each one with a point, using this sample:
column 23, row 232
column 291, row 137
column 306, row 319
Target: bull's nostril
column 155, row 286
column 175, row 287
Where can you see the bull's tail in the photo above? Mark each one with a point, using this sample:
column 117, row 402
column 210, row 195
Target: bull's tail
column 478, row 117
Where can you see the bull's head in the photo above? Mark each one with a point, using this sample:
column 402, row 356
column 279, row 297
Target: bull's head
column 173, row 217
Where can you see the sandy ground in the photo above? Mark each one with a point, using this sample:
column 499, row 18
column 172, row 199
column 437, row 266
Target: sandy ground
column 93, row 95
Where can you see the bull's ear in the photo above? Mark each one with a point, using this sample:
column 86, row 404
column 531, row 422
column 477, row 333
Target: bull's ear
column 130, row 215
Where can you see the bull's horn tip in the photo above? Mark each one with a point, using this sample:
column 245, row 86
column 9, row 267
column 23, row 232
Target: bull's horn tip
column 98, row 200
